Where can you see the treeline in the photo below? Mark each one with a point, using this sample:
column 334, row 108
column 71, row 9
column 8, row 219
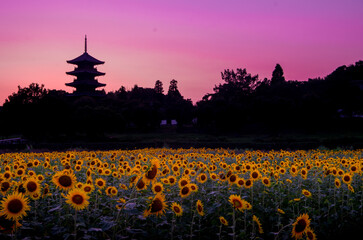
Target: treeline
column 241, row 103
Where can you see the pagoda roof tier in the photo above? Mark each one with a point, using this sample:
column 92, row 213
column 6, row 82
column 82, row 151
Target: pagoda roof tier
column 78, row 71
column 85, row 58
column 92, row 83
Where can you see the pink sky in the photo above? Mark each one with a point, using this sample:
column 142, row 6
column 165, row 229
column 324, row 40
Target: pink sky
column 191, row 41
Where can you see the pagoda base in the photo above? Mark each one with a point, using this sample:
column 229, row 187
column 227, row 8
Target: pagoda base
column 100, row 93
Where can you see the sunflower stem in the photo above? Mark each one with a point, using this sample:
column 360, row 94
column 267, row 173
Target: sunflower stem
column 234, row 225
column 220, row 232
column 245, row 222
column 172, row 228
column 191, row 226
column 75, row 225
column 278, row 233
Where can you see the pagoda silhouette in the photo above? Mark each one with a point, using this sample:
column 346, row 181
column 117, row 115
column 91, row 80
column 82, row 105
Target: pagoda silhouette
column 85, row 83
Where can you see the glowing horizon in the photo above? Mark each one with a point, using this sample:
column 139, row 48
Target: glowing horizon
column 190, row 41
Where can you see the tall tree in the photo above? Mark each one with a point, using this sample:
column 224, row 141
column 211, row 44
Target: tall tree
column 277, row 75
column 159, row 87
column 173, row 89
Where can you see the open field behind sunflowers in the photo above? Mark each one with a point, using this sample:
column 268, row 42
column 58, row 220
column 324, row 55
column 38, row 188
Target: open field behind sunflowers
column 181, row 194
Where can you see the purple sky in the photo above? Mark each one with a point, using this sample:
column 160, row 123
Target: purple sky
column 191, row 41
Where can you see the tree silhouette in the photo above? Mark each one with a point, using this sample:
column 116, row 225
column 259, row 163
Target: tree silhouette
column 173, row 89
column 277, row 75
column 239, row 81
column 159, row 87
column 26, row 95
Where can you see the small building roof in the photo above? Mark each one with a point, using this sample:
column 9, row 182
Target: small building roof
column 92, row 83
column 78, row 71
column 85, row 58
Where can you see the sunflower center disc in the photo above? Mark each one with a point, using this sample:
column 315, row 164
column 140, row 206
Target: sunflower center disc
column 185, row 190
column 65, row 181
column 5, row 186
column 176, row 209
column 152, row 173
column 237, row 203
column 300, row 227
column 156, row 206
column 31, row 186
column 15, row 206
column 77, row 199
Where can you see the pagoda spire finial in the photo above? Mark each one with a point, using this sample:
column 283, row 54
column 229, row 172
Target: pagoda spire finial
column 85, row 43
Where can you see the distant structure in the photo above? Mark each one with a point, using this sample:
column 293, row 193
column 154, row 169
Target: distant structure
column 85, row 83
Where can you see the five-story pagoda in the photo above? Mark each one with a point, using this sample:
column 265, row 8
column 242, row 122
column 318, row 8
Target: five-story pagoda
column 85, row 83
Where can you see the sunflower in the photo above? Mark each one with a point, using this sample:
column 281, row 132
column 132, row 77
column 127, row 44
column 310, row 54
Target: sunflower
column 152, row 172
column 304, row 173
column 248, row 183
column 123, row 186
column 21, row 188
column 280, row 211
column 257, row 221
column 347, row 178
column 255, row 174
column 294, row 171
column 200, row 208
column 157, row 188
column 193, row 187
column 202, row 178
column 14, row 206
column 236, row 202
column 350, row 188
column 240, row 182
column 300, row 226
column 185, row 191
column 141, row 184
column 5, row 187
column 64, row 180
column 7, row 175
column 213, row 176
column 246, row 205
column 306, row 193
column 111, row 191
column 232, row 179
column 32, row 186
column 266, row 181
column 19, row 172
column 223, row 221
column 40, row 177
column 35, row 196
column 183, row 182
column 337, row 183
column 310, row 235
column 172, row 180
column 157, row 206
column 175, row 168
column 100, row 183
column 177, row 209
column 77, row 198
column 45, row 191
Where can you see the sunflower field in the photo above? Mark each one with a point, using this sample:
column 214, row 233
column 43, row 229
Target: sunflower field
column 181, row 194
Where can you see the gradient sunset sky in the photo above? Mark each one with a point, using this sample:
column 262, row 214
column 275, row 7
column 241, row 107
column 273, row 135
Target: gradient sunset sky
column 191, row 41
